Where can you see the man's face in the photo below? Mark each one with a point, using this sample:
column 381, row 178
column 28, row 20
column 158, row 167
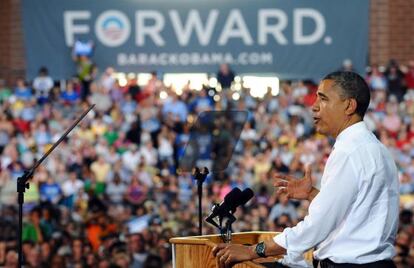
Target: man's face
column 329, row 108
column 135, row 243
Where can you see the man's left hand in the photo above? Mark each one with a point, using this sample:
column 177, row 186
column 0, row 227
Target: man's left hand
column 229, row 254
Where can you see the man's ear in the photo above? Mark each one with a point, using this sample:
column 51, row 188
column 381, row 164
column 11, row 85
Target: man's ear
column 351, row 107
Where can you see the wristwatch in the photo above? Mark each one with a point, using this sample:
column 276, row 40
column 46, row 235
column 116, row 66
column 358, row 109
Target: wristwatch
column 260, row 249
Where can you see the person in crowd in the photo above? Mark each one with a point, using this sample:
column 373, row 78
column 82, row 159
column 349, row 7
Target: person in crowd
column 42, row 85
column 225, row 76
column 395, row 80
column 22, row 92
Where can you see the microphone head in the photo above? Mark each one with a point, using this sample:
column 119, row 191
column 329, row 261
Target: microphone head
column 232, row 195
column 246, row 195
column 242, row 199
column 231, row 199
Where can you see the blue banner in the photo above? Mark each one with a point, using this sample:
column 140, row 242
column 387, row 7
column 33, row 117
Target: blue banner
column 289, row 38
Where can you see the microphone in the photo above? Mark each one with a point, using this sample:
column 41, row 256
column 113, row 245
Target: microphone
column 230, row 202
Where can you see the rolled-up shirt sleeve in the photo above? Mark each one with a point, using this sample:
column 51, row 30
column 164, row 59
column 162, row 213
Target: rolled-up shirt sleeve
column 328, row 209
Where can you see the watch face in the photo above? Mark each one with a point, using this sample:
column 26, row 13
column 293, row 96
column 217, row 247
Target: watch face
column 260, row 249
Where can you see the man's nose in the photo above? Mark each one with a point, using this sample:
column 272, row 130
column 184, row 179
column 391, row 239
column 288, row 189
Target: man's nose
column 315, row 106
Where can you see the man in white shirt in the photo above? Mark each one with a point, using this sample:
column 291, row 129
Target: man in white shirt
column 42, row 84
column 353, row 219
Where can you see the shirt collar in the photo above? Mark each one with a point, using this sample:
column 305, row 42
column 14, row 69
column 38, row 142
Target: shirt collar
column 350, row 131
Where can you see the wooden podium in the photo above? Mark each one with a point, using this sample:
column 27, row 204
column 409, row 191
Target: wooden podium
column 196, row 251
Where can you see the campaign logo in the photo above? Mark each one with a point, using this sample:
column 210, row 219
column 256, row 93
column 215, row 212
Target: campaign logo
column 112, row 28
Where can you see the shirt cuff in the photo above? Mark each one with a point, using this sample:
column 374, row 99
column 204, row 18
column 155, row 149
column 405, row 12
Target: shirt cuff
column 280, row 239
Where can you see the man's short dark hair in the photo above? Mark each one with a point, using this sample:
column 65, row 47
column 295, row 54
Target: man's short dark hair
column 352, row 86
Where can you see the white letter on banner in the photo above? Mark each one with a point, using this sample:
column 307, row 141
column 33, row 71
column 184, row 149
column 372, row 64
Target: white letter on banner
column 70, row 28
column 235, row 18
column 276, row 30
column 183, row 32
column 320, row 26
column 152, row 31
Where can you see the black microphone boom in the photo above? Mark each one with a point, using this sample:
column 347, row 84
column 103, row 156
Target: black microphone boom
column 23, row 183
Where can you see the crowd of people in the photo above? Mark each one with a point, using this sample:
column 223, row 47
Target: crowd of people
column 110, row 194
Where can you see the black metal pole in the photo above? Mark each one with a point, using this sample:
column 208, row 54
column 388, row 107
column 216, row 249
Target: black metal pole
column 20, row 200
column 22, row 183
column 200, row 177
column 200, row 210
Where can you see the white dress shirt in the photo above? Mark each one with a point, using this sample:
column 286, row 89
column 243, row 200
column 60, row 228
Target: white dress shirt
column 354, row 217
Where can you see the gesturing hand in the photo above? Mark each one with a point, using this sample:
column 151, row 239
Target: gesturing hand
column 293, row 187
column 229, row 254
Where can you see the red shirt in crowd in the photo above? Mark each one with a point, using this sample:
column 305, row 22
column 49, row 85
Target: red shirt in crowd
column 409, row 78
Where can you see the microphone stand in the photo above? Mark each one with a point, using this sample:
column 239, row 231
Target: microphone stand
column 227, row 232
column 200, row 177
column 22, row 182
